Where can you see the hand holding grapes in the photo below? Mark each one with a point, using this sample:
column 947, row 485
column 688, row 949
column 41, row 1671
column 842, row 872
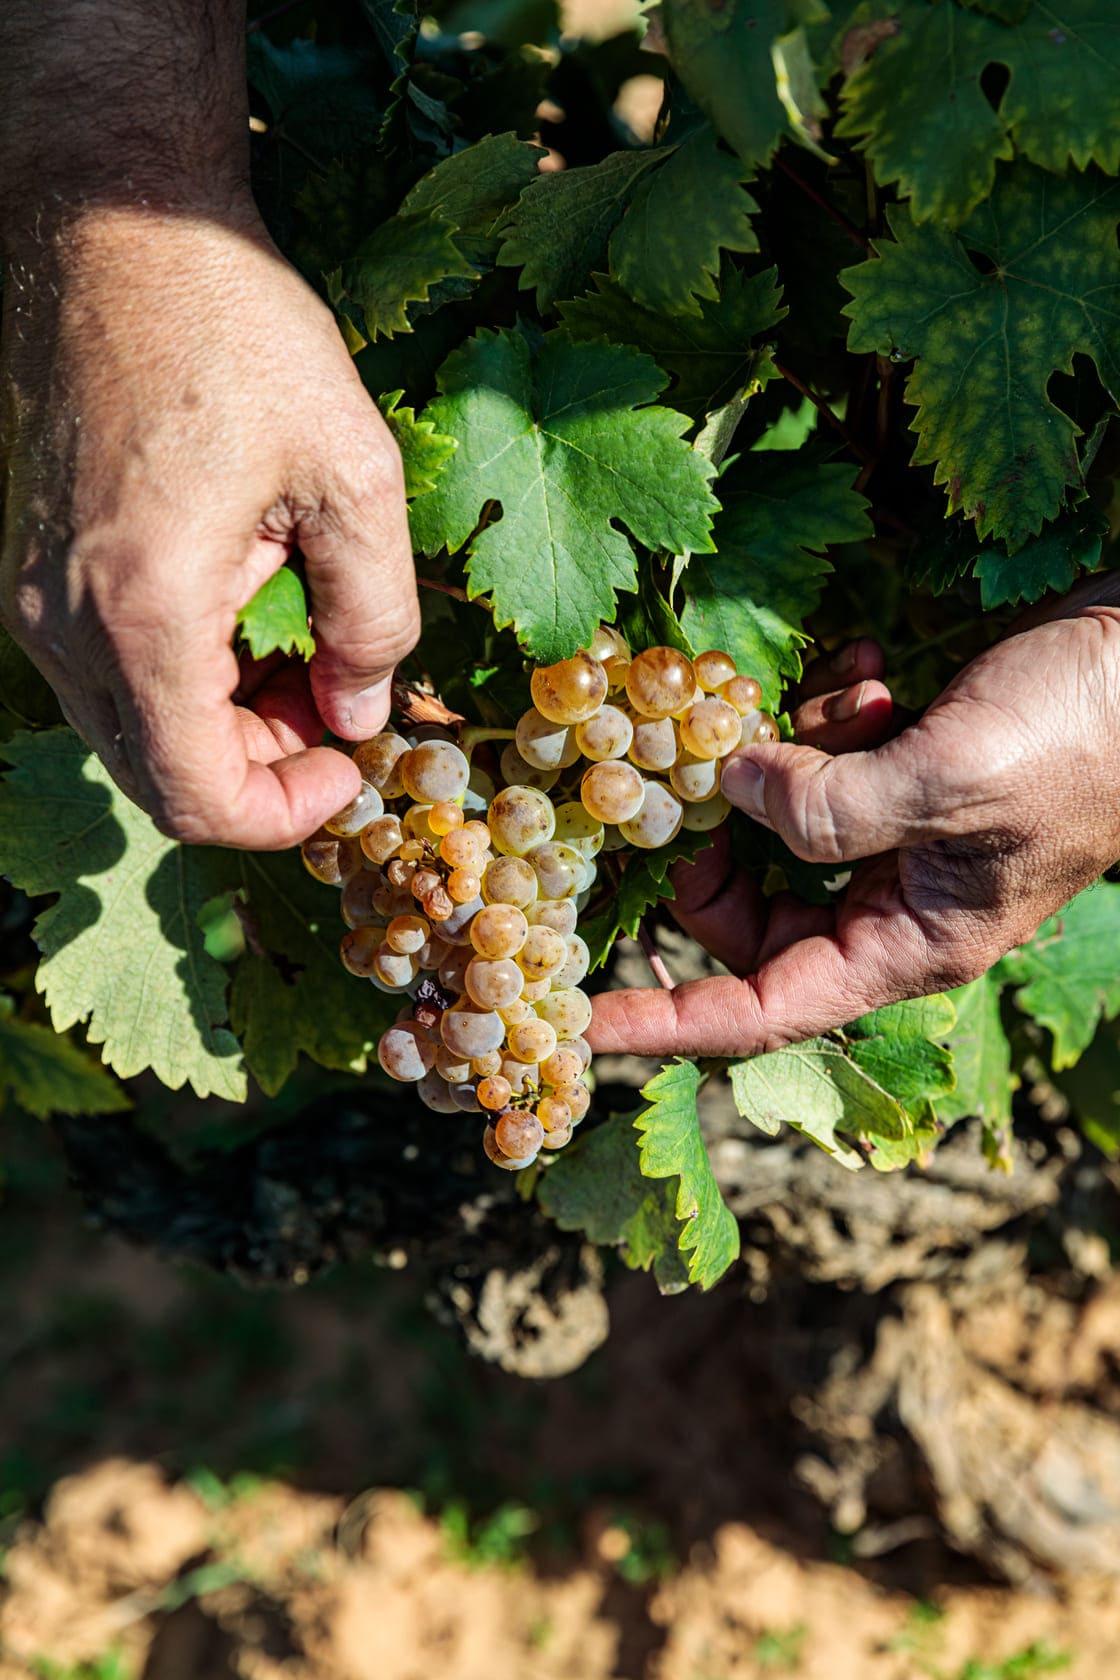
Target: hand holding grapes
column 967, row 831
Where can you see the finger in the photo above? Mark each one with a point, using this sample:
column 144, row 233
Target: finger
column 854, row 662
column 848, row 720
column 363, row 589
column 719, row 906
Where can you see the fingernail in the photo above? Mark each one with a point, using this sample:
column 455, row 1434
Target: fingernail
column 742, row 784
column 370, row 706
column 845, row 662
column 846, row 705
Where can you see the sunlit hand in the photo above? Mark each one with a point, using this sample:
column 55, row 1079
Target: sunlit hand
column 967, row 830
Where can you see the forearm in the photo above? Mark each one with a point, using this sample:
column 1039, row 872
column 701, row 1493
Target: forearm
column 120, row 102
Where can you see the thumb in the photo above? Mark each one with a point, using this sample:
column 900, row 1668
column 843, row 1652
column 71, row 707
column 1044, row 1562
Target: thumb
column 835, row 810
column 363, row 589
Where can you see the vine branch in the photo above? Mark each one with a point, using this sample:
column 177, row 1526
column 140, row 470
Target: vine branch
column 654, row 958
column 822, row 407
column 855, row 234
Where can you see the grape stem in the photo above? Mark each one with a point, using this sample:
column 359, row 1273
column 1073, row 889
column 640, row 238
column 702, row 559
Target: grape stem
column 451, row 589
column 654, row 958
column 416, row 705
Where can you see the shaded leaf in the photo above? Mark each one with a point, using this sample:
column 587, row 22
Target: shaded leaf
column 46, row 1074
column 398, row 265
column 723, row 52
column 671, row 1146
column 1050, row 561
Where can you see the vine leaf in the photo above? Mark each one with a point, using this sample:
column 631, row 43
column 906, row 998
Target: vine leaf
column 321, row 98
column 424, row 451
column 723, row 51
column 1068, row 976
column 988, row 336
column 898, row 1046
column 558, row 436
column 666, row 249
column 781, row 510
column 596, row 1186
column 276, row 619
column 924, row 118
column 671, row 1146
column 121, row 947
column 474, row 188
column 399, row 264
column 1050, row 561
column 712, row 356
column 643, row 882
column 817, row 1089
column 981, row 1055
column 46, row 1074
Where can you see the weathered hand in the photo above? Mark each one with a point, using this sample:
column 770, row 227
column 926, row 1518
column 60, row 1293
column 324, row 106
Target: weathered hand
column 976, row 823
column 186, row 413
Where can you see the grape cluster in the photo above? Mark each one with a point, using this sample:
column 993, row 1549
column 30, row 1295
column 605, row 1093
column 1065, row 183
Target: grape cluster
column 463, row 891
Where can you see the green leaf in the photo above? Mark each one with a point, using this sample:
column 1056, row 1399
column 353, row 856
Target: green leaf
column 558, row 231
column 1048, row 562
column 596, row 1186
column 23, row 692
column 666, row 250
column 276, row 619
column 472, row 188
column 780, row 511
column 398, row 265
column 644, row 881
column 817, row 1089
column 1068, row 976
column 671, row 1146
column 897, row 1046
column 424, row 451
column 981, row 1058
column 321, row 98
column 1092, row 1086
column 555, row 435
column 723, row 52
column 988, row 343
column 712, row 357
column 46, row 1074
column 122, row 949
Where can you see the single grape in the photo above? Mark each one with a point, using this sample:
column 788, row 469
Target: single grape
column 532, row 1041
column 708, row 814
column 358, row 949
column 534, row 990
column 438, row 904
column 383, row 839
column 559, row 914
column 379, row 762
column 493, row 1153
column 494, row 1092
column 575, row 966
column 713, row 669
column 654, row 745
column 659, row 682
column 435, row 1093
column 606, row 735
column 411, row 851
column 451, row 1066
column 513, row 1013
column 519, row 819
column 395, row 969
column 466, row 1096
column 711, row 729
column 488, row 1066
column 553, row 1112
column 424, row 881
column 558, row 868
column 462, row 886
column 613, row 654
column 581, row 1048
column 458, row 850
column 575, row 826
column 568, row 1012
column 743, row 693
column 444, row 817
column 453, row 968
column 358, row 905
column 657, row 822
column 570, row 691
column 543, row 953
column 759, row 729
column 471, row 1032
column 406, row 1052
column 399, row 873
column 362, row 809
column 499, row 931
column 612, row 791
column 545, row 745
column 518, row 1134
column 695, row 779
column 523, row 1076
column 518, row 772
column 433, row 953
column 563, row 1067
column 435, row 771
column 457, row 926
column 510, row 880
column 492, row 984
column 577, row 1097
column 407, row 934
column 417, row 828
column 329, row 859
column 479, row 833
column 557, row 1137
column 388, row 900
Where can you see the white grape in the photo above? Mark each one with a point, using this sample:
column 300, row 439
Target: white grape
column 435, row 770
column 612, row 791
column 471, row 1032
column 568, row 1011
column 606, row 735
column 695, row 779
column 575, row 966
column 557, row 913
column 362, row 809
column 493, row 983
column 544, row 744
column 575, row 826
column 406, row 1052
column 700, row 819
column 658, row 821
column 653, row 745
column 558, row 868
column 520, row 818
column 518, row 772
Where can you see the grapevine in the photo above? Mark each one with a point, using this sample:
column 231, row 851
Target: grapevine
column 461, row 886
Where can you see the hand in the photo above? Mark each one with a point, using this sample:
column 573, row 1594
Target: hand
column 977, row 822
column 186, row 416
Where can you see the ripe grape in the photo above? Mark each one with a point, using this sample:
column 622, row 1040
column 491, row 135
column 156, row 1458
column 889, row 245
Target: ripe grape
column 329, row 859
column 379, row 762
column 558, row 868
column 435, row 771
column 711, row 729
column 435, row 1093
column 407, row 934
column 570, row 691
column 654, row 744
column 456, row 927
column 422, row 882
column 612, row 791
column 557, row 913
column 499, row 931
column 607, row 734
column 471, row 1032
column 432, row 953
column 581, row 1048
column 695, row 779
column 563, row 1067
column 708, row 814
column 462, row 886
column 612, row 652
column 575, row 826
column 577, row 1097
column 383, row 839
column 358, row 949
column 575, row 965
column 519, row 1010
column 657, row 822
column 743, row 693
column 389, row 901
column 534, row 990
column 358, row 902
column 713, row 669
column 518, row 1134
column 568, row 1011
column 494, row 1092
column 510, row 880
column 406, row 1052
column 532, row 1041
column 553, row 1112
column 518, row 772
column 444, row 817
column 395, row 969
column 545, row 745
column 493, row 983
column 362, row 809
column 523, row 1076
column 659, row 682
column 479, row 833
column 466, row 1097
column 459, row 849
column 557, row 1137
column 494, row 1154
column 759, row 728
column 543, row 953
column 486, row 1067
column 417, row 829
column 451, row 1066
column 519, row 819
column 454, row 966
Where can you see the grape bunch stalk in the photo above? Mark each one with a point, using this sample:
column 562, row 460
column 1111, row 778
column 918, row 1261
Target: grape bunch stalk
column 463, row 891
